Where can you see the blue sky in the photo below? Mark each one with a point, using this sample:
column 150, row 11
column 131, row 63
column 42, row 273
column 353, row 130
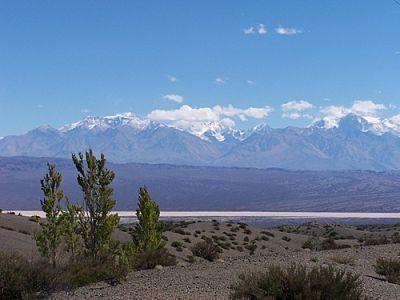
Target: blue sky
column 63, row 60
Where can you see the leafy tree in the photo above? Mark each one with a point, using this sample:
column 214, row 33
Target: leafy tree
column 147, row 234
column 94, row 217
column 71, row 230
column 50, row 237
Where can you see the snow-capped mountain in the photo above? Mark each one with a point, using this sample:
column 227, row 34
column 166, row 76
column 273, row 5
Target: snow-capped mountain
column 104, row 123
column 351, row 142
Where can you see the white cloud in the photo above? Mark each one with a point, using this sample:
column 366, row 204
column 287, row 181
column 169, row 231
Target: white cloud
column 85, row 110
column 219, row 80
column 287, row 31
column 293, row 109
column 367, row 109
column 397, row 52
column 172, row 78
column 209, row 114
column 296, row 106
column 249, row 30
column 173, row 97
column 261, row 29
column 250, row 82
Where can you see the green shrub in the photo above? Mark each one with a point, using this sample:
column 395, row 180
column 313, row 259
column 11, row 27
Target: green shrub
column 390, row 268
column 286, row 238
column 187, row 240
column 206, row 249
column 297, row 282
column 152, row 258
column 252, row 248
column 35, row 219
column 176, row 244
column 190, row 259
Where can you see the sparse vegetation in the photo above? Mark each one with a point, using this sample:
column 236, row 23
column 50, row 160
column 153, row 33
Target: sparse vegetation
column 206, row 249
column 151, row 258
column 390, row 268
column 35, row 219
column 298, row 282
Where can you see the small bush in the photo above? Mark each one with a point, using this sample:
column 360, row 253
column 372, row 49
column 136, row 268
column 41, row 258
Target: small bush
column 312, row 243
column 152, row 258
column 252, row 248
column 187, row 240
column 390, row 268
column 297, row 282
column 246, row 239
column 15, row 281
column 35, row 219
column 247, row 231
column 190, row 259
column 207, row 250
column 20, row 279
column 286, row 239
column 176, row 244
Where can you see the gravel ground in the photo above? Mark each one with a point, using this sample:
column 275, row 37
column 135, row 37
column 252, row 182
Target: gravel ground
column 204, row 280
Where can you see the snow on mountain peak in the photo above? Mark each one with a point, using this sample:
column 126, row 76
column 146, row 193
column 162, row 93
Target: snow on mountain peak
column 103, row 123
column 354, row 121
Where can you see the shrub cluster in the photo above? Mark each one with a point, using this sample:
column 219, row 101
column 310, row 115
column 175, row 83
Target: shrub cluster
column 298, row 282
column 390, row 268
column 206, row 249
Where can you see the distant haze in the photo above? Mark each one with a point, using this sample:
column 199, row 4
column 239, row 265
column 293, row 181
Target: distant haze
column 184, row 188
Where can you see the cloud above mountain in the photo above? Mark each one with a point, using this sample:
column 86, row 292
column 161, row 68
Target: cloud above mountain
column 294, row 109
column 224, row 114
column 173, row 97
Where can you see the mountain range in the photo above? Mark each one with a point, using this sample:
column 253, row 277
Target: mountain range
column 351, row 142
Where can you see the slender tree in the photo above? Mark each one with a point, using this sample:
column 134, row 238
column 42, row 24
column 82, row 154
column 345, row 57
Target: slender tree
column 49, row 238
column 148, row 231
column 71, row 230
column 94, row 217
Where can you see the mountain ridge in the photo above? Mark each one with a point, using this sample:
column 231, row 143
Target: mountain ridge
column 353, row 143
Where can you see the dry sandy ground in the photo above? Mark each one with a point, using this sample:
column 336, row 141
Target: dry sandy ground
column 205, row 280
column 212, row 280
